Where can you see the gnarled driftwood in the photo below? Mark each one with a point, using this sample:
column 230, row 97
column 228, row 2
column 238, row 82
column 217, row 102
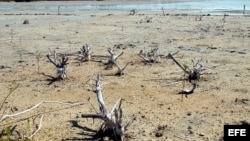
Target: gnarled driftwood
column 85, row 54
column 61, row 65
column 113, row 119
column 151, row 56
column 194, row 74
column 112, row 61
column 188, row 92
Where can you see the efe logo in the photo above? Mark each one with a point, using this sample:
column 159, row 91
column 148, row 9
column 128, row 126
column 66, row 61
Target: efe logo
column 236, row 132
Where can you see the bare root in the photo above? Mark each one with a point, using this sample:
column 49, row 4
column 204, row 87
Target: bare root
column 112, row 60
column 85, row 54
column 61, row 66
column 112, row 120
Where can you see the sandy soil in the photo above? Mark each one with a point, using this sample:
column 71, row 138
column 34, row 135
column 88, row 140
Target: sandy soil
column 223, row 95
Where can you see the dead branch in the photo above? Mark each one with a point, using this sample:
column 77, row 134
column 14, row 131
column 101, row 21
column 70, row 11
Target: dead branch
column 39, row 127
column 171, row 57
column 98, row 116
column 153, row 55
column 187, row 92
column 102, row 106
column 28, row 110
column 60, row 65
column 150, row 56
column 85, row 54
column 112, row 58
column 4, row 117
column 120, row 69
column 112, row 61
column 113, row 119
column 198, row 69
column 194, row 74
column 5, row 99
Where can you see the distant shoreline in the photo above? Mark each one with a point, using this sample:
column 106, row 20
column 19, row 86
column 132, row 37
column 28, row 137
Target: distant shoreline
column 187, row 6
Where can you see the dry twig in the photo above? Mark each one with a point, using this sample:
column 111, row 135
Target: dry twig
column 4, row 117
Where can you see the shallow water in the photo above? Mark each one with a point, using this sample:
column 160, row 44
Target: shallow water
column 214, row 7
column 202, row 5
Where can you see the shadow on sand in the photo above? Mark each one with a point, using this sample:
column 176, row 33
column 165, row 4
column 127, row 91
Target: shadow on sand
column 50, row 78
column 90, row 134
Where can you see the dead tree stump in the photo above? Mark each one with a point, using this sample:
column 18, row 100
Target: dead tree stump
column 112, row 61
column 194, row 74
column 112, row 120
column 151, row 56
column 61, row 66
column 85, row 54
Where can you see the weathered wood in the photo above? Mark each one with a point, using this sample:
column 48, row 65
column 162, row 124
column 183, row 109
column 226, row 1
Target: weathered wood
column 112, row 58
column 153, row 55
column 188, row 92
column 171, row 56
column 120, row 69
column 38, row 128
column 61, row 65
column 150, row 56
column 20, row 135
column 113, row 119
column 85, row 54
column 4, row 117
column 194, row 74
column 102, row 106
column 112, row 61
